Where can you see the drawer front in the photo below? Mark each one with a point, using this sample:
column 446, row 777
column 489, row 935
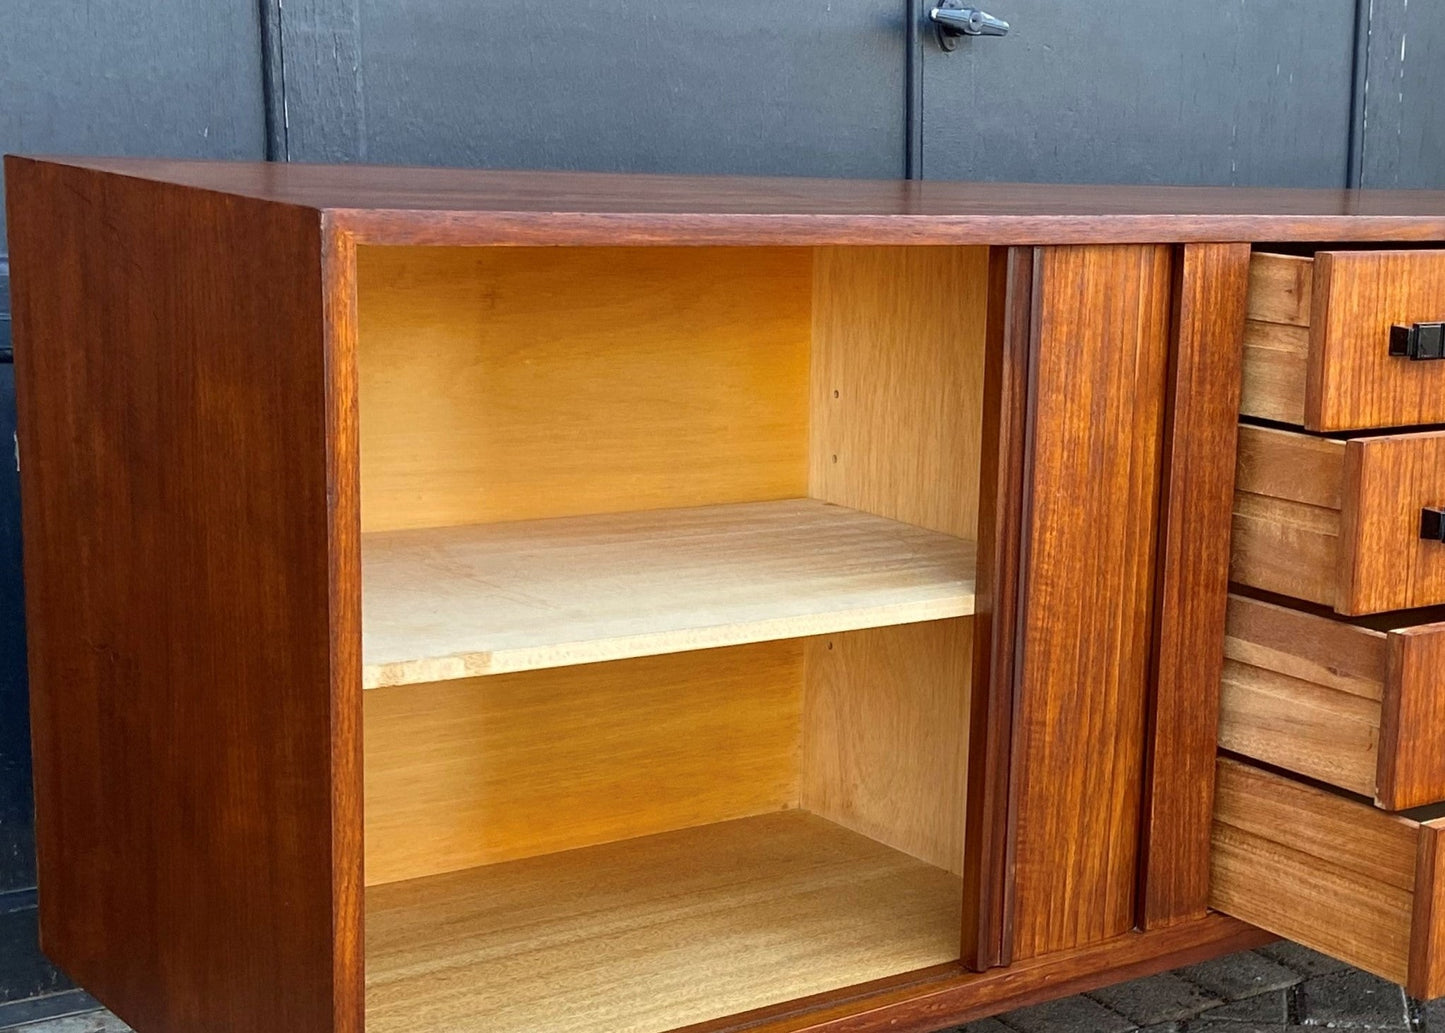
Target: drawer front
column 1356, row 705
column 1342, row 523
column 1317, row 342
column 1340, row 876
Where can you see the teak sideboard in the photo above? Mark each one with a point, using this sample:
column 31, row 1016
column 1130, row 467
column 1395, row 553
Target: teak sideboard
column 486, row 602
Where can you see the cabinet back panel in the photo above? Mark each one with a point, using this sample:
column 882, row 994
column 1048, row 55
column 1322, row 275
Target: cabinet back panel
column 520, row 383
column 470, row 772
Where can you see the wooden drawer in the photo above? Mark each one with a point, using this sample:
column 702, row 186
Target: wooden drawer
column 1335, row 874
column 1317, row 342
column 1339, row 522
column 1354, row 704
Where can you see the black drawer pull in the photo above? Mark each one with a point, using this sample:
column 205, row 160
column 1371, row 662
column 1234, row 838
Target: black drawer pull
column 1419, row 342
column 1432, row 525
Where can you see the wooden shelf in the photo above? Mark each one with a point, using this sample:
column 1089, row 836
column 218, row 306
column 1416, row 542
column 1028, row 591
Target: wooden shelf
column 656, row 933
column 458, row 602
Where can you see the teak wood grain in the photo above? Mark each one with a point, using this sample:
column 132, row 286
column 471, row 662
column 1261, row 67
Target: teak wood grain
column 987, row 914
column 1353, row 380
column 1277, row 337
column 1197, row 502
column 1385, row 564
column 1412, row 770
column 193, row 624
column 1336, row 876
column 1101, row 340
column 434, row 206
column 944, row 996
column 1352, row 703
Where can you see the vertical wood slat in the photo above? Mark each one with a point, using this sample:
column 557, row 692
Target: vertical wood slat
column 1211, row 286
column 1001, row 504
column 1101, row 334
column 189, row 509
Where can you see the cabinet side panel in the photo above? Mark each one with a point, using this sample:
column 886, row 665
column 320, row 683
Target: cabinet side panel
column 897, row 382
column 1212, row 284
column 1101, row 338
column 172, row 386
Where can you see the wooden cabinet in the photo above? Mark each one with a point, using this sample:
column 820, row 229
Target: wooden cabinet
column 492, row 601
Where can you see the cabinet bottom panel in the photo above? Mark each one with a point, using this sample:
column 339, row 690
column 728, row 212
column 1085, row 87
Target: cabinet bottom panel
column 656, row 933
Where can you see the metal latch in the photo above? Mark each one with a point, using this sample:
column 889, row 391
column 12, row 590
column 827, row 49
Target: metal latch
column 951, row 20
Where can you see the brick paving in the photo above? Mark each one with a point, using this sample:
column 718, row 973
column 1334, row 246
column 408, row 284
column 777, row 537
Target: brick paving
column 1280, row 987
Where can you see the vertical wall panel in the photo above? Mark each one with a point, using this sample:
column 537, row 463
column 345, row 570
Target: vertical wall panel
column 1402, row 133
column 814, row 87
column 1137, row 91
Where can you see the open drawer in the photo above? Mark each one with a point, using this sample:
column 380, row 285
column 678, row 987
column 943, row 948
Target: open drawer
column 1332, row 873
column 1318, row 343
column 1353, row 524
column 1356, row 703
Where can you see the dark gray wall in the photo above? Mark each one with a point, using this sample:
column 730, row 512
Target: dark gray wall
column 1139, row 91
column 746, row 86
column 133, row 77
column 1402, row 109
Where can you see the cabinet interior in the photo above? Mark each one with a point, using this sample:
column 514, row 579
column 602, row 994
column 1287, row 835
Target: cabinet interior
column 667, row 593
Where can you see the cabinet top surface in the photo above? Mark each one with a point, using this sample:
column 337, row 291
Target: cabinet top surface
column 391, row 205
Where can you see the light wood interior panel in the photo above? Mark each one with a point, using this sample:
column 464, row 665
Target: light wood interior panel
column 476, row 771
column 515, row 383
column 1287, row 506
column 885, row 735
column 897, row 382
column 1277, row 337
column 1276, row 370
column 896, row 396
column 1304, row 693
column 461, row 601
column 653, row 934
column 1281, row 288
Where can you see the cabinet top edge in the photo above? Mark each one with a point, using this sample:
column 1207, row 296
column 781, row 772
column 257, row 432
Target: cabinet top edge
column 449, row 206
